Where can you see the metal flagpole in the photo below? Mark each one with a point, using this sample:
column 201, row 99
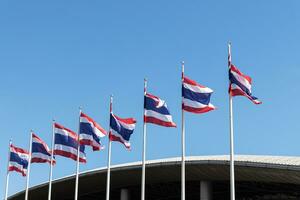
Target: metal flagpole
column 78, row 156
column 7, row 175
column 144, row 146
column 28, row 168
column 109, row 152
column 51, row 163
column 232, row 182
column 182, row 144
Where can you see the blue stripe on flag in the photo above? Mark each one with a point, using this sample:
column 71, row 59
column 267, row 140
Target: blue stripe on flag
column 65, row 140
column 87, row 129
column 203, row 98
column 82, row 148
column 16, row 158
column 39, row 148
column 235, row 81
column 116, row 126
column 150, row 104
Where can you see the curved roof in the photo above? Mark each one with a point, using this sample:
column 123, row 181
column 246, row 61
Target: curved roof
column 277, row 169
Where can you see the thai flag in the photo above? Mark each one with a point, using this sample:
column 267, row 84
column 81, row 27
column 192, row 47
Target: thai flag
column 121, row 129
column 18, row 160
column 40, row 152
column 240, row 84
column 195, row 97
column 156, row 111
column 66, row 143
column 90, row 132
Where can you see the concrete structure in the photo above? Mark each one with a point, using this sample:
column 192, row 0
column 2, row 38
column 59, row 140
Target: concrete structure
column 207, row 178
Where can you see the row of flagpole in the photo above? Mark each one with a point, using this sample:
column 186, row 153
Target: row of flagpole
column 236, row 88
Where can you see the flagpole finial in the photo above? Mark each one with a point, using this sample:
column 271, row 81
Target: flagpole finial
column 145, row 85
column 110, row 103
column 182, row 69
column 111, row 98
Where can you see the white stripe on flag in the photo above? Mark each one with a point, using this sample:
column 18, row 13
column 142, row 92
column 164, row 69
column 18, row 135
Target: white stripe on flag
column 197, row 89
column 195, row 104
column 127, row 126
column 98, row 132
column 65, row 148
column 69, row 150
column 64, row 133
column 165, row 118
column 84, row 120
column 40, row 155
column 84, row 136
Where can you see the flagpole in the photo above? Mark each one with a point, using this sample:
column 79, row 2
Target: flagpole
column 7, row 174
column 232, row 181
column 28, row 168
column 182, row 143
column 109, row 151
column 51, row 163
column 144, row 146
column 78, row 156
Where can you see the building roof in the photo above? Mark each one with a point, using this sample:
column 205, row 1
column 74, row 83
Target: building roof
column 277, row 169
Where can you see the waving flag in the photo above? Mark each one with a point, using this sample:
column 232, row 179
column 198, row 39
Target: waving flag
column 195, row 97
column 18, row 160
column 121, row 129
column 90, row 132
column 40, row 152
column 240, row 84
column 66, row 143
column 156, row 111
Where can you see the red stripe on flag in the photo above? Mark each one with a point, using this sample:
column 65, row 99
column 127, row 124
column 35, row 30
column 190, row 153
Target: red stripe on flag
column 18, row 150
column 41, row 160
column 191, row 82
column 158, row 122
column 71, row 133
column 126, row 120
column 89, row 143
column 13, row 168
column 117, row 139
column 197, row 110
column 239, row 92
column 69, row 155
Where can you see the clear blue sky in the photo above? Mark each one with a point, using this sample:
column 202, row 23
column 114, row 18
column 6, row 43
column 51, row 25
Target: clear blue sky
column 58, row 55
